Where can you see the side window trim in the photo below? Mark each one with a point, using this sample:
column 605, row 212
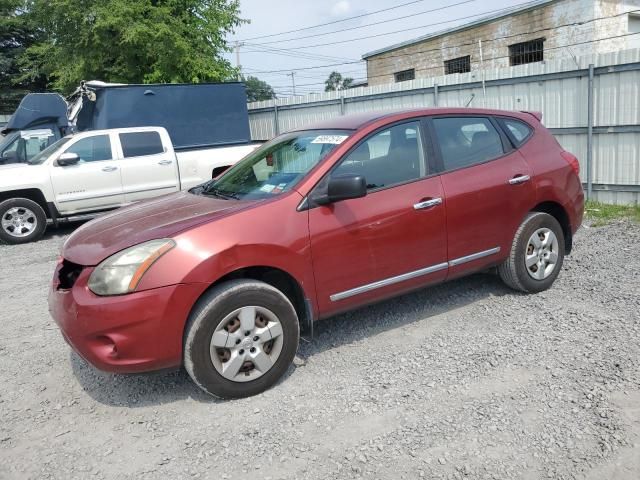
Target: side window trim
column 440, row 161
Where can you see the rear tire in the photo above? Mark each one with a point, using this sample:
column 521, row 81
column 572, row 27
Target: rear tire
column 240, row 339
column 536, row 255
column 21, row 221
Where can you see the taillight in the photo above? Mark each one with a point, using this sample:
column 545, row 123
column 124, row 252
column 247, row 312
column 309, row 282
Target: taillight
column 572, row 160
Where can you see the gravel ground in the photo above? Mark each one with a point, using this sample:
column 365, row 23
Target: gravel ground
column 464, row 380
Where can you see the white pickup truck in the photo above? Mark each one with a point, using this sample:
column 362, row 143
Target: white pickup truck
column 84, row 174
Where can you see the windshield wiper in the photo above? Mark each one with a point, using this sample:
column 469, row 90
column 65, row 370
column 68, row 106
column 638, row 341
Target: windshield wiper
column 219, row 193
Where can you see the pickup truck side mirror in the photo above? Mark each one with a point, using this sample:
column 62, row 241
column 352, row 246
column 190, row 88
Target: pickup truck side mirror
column 342, row 187
column 67, row 159
column 9, row 157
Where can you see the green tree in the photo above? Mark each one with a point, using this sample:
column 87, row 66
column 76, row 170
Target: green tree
column 258, row 90
column 16, row 34
column 131, row 41
column 337, row 82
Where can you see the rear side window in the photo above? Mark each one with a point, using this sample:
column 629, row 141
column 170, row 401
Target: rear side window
column 466, row 141
column 139, row 144
column 518, row 130
column 92, row 149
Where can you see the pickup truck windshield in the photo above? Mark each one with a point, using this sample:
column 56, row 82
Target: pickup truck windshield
column 277, row 166
column 44, row 154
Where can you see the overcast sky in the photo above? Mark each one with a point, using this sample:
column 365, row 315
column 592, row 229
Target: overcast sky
column 269, row 17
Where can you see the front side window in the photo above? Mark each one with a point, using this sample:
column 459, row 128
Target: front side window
column 140, row 144
column 277, row 166
column 391, row 156
column 466, row 141
column 92, row 149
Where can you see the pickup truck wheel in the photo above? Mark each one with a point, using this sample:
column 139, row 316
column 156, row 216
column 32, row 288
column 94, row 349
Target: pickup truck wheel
column 21, row 221
column 240, row 339
column 536, row 256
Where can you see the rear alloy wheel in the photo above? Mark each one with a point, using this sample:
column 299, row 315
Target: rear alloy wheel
column 21, row 221
column 240, row 339
column 536, row 256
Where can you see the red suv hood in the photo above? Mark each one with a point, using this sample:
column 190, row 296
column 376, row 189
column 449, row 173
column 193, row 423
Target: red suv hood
column 160, row 217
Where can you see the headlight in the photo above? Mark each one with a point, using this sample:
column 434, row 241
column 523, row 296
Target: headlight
column 121, row 272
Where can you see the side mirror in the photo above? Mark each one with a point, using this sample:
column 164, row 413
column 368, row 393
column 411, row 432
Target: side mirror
column 343, row 187
column 9, row 157
column 67, row 159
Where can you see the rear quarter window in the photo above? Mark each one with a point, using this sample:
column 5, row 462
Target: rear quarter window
column 518, row 131
column 140, row 144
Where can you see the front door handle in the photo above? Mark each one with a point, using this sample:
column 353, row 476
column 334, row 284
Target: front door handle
column 165, row 162
column 519, row 179
column 109, row 169
column 432, row 202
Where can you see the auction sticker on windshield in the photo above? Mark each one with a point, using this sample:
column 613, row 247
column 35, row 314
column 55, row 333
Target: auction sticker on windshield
column 331, row 139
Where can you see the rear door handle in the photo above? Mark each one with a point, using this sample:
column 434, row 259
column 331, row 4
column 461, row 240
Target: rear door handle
column 432, row 202
column 109, row 169
column 519, row 179
column 165, row 162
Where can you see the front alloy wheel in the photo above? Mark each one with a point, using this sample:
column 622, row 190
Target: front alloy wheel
column 21, row 221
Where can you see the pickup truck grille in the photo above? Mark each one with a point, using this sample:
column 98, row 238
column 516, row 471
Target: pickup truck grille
column 68, row 274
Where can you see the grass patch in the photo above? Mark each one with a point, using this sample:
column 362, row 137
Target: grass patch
column 603, row 213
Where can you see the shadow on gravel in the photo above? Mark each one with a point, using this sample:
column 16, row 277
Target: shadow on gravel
column 140, row 390
column 401, row 311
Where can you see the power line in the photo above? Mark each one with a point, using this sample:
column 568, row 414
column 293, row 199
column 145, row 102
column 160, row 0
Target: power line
column 370, row 24
column 377, row 35
column 335, row 21
column 441, row 49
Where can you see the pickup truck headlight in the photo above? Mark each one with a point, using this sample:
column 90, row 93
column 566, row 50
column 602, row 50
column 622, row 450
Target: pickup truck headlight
column 121, row 272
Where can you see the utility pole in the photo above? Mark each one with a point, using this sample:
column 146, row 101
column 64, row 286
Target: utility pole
column 237, row 47
column 293, row 81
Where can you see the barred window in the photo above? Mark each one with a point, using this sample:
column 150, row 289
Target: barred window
column 526, row 52
column 457, row 65
column 405, row 75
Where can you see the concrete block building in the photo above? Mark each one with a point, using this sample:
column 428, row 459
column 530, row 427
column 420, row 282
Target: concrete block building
column 537, row 31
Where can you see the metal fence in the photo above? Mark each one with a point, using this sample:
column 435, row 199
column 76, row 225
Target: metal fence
column 591, row 104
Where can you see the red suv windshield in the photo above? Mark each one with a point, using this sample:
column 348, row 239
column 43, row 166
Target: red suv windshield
column 277, row 166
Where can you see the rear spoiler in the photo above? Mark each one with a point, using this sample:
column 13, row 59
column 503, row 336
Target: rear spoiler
column 536, row 115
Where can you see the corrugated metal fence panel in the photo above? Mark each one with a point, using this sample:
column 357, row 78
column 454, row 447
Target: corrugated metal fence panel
column 617, row 98
column 299, row 117
column 616, row 158
column 262, row 125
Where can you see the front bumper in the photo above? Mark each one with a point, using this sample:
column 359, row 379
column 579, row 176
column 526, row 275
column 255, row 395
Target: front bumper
column 137, row 332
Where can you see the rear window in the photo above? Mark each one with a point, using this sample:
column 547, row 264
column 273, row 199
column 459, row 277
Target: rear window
column 466, row 141
column 139, row 144
column 518, row 130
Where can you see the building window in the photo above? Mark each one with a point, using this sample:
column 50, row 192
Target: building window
column 634, row 23
column 526, row 52
column 405, row 75
column 457, row 65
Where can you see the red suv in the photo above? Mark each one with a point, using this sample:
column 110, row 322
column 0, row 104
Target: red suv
column 222, row 278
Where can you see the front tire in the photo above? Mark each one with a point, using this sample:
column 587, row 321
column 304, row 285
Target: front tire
column 21, row 221
column 536, row 255
column 240, row 339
